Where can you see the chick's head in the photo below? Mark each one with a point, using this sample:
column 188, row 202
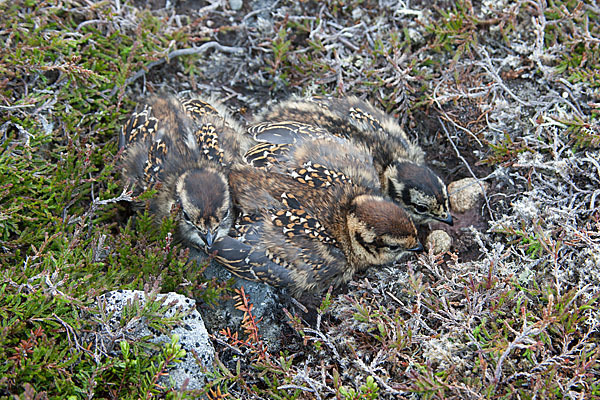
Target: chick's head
column 206, row 210
column 419, row 190
column 380, row 231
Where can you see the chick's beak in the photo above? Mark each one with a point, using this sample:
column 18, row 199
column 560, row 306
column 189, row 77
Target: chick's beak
column 209, row 238
column 448, row 220
column 417, row 248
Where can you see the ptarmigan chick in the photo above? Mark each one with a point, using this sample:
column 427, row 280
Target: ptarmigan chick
column 170, row 146
column 400, row 164
column 305, row 225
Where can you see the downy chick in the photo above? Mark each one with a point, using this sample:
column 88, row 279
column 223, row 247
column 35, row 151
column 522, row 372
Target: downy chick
column 180, row 154
column 400, row 164
column 305, row 225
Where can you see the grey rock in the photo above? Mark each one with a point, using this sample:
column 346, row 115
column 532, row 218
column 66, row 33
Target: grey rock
column 263, row 297
column 193, row 336
column 465, row 193
column 438, row 241
column 236, row 4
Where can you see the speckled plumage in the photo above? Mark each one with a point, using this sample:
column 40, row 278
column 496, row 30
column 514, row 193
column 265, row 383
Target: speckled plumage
column 311, row 216
column 172, row 146
column 231, row 142
column 289, row 145
column 400, row 164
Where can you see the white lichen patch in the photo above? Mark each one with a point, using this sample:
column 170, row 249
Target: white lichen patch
column 527, row 208
column 443, row 353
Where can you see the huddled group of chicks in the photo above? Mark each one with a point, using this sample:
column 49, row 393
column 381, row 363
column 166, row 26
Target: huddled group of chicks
column 314, row 191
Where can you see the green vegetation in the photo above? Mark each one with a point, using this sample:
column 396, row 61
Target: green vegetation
column 63, row 240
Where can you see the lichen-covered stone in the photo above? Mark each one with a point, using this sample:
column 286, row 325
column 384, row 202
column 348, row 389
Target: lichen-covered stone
column 193, row 336
column 439, row 241
column 236, row 4
column 465, row 194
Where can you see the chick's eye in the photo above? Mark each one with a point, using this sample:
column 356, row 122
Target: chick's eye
column 393, row 247
column 360, row 239
column 421, row 209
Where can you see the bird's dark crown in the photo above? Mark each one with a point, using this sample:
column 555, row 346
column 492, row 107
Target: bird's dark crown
column 379, row 231
column 421, row 178
column 203, row 195
column 383, row 217
column 419, row 189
